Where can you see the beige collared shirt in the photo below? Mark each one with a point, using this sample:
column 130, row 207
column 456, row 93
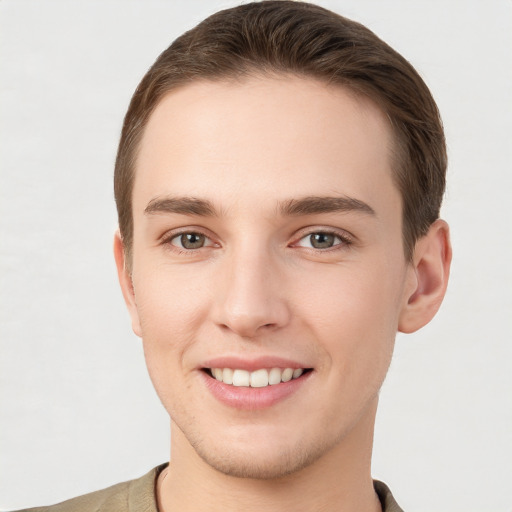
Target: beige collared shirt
column 139, row 496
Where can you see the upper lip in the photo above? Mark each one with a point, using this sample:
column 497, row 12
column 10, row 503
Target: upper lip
column 252, row 364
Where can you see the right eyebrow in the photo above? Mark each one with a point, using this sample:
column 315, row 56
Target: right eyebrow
column 181, row 205
column 312, row 205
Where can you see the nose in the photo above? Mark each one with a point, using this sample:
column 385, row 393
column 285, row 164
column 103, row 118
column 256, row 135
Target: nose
column 250, row 298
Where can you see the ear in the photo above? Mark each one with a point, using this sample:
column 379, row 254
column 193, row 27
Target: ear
column 125, row 280
column 429, row 270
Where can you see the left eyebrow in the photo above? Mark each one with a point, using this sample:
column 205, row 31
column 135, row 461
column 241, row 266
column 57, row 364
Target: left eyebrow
column 181, row 205
column 311, row 205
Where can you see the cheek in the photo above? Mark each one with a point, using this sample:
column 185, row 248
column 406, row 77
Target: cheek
column 169, row 301
column 171, row 309
column 354, row 314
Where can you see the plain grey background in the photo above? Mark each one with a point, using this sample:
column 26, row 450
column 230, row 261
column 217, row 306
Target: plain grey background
column 78, row 411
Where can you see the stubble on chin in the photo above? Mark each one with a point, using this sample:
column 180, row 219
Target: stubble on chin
column 245, row 464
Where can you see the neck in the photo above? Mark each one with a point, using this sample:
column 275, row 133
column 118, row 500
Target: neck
column 338, row 481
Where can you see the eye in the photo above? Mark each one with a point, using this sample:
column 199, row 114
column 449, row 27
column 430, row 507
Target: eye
column 322, row 240
column 190, row 241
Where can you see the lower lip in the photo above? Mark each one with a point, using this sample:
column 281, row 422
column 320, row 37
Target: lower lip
column 242, row 397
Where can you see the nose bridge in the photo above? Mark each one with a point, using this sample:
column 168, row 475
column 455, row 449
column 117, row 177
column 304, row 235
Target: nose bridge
column 252, row 295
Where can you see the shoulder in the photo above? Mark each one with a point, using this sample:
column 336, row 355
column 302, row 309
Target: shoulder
column 387, row 500
column 134, row 495
column 112, row 498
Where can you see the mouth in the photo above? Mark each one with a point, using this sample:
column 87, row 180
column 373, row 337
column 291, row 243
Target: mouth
column 259, row 378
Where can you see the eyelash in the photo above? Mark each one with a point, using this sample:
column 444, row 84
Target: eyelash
column 168, row 239
column 345, row 240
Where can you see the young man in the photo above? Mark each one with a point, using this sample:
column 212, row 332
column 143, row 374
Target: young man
column 278, row 183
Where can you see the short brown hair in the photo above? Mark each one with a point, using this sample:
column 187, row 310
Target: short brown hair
column 306, row 40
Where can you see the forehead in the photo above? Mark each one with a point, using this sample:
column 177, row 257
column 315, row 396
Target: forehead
column 264, row 138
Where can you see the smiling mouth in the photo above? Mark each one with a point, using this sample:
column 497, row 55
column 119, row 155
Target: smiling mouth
column 255, row 379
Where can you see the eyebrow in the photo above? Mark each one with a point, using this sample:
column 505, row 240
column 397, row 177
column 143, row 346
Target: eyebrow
column 309, row 205
column 182, row 205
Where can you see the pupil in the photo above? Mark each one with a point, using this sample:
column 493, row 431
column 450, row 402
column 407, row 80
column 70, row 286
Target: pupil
column 192, row 240
column 322, row 240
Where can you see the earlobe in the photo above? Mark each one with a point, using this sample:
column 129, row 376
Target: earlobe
column 431, row 268
column 125, row 281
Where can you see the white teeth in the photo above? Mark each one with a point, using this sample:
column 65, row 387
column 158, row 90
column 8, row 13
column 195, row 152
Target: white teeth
column 274, row 376
column 241, row 378
column 256, row 379
column 227, row 376
column 287, row 374
column 259, row 379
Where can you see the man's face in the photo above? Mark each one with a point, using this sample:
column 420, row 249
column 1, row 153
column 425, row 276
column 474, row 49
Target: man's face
column 267, row 235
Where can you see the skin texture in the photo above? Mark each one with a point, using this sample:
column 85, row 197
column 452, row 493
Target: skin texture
column 257, row 287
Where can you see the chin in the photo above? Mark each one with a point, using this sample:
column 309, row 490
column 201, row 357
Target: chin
column 259, row 468
column 259, row 459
